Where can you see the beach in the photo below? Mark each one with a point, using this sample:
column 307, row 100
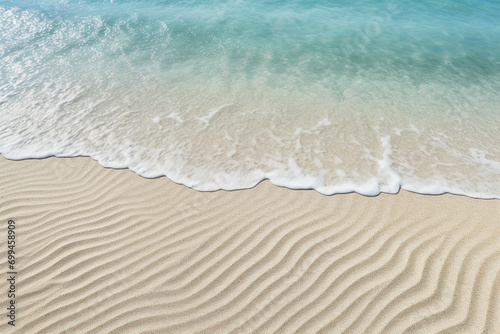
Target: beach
column 102, row 250
column 258, row 166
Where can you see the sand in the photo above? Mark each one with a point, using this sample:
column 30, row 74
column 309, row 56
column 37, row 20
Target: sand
column 106, row 251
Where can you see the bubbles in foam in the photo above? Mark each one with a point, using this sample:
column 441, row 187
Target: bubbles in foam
column 222, row 96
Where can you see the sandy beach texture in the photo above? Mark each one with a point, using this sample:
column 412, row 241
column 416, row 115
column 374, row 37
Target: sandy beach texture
column 106, row 251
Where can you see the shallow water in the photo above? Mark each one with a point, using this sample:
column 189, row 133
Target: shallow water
column 364, row 96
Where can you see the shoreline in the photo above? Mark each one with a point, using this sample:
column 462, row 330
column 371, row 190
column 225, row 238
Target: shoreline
column 105, row 250
column 265, row 180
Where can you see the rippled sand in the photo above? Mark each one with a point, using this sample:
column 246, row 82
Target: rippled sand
column 106, row 251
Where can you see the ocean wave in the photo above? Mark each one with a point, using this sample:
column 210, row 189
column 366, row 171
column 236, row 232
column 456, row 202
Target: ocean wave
column 334, row 97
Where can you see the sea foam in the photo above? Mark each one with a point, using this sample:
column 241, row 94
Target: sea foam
column 365, row 97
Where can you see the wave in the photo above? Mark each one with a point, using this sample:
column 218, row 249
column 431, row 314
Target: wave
column 336, row 98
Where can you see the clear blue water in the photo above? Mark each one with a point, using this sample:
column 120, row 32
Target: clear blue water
column 337, row 96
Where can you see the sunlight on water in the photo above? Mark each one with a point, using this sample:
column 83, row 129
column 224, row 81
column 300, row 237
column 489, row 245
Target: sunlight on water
column 342, row 96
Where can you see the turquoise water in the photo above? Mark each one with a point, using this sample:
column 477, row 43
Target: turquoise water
column 338, row 96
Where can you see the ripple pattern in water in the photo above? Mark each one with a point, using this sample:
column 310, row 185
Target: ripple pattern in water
column 362, row 96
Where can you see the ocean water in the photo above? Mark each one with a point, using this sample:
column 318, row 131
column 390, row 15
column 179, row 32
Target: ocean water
column 337, row 96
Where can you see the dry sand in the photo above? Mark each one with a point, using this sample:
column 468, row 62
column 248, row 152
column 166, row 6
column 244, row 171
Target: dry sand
column 106, row 251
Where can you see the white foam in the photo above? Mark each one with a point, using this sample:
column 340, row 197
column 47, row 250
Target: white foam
column 390, row 181
column 211, row 113
column 176, row 116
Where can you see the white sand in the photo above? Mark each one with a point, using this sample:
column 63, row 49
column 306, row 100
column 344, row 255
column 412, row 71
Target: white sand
column 106, row 251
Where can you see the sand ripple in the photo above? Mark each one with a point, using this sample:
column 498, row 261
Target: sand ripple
column 106, row 251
